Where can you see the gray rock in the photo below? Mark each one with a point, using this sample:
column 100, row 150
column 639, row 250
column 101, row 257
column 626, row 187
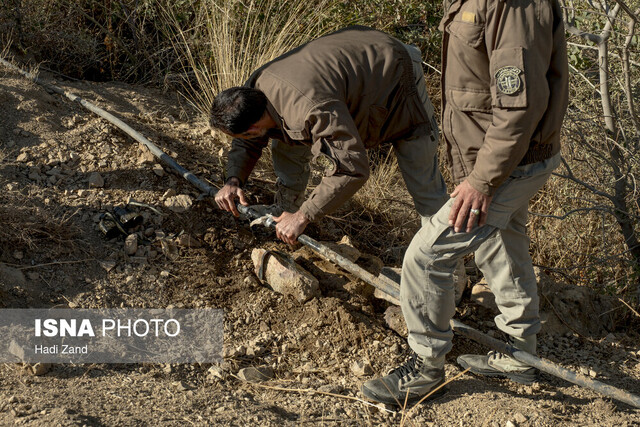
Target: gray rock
column 96, row 180
column 361, row 368
column 519, row 418
column 188, row 241
column 216, row 372
column 158, row 170
column 131, row 244
column 256, row 373
column 38, row 369
column 34, row 174
column 107, row 265
column 395, row 320
column 179, row 203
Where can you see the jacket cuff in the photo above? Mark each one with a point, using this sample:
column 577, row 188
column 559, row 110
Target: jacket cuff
column 311, row 211
column 481, row 185
column 238, row 173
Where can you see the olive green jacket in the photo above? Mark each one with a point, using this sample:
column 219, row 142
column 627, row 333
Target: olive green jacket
column 339, row 94
column 505, row 86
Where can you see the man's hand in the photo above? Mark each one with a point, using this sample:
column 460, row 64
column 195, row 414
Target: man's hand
column 290, row 225
column 468, row 199
column 226, row 197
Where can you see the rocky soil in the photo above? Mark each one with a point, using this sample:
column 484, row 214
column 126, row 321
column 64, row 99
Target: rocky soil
column 61, row 167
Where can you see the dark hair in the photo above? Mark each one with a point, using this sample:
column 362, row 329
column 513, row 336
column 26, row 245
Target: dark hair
column 234, row 110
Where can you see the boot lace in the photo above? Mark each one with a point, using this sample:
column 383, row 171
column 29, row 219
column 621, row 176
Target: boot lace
column 410, row 368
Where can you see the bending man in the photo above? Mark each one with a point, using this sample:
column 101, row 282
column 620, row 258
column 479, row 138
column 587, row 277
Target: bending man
column 331, row 99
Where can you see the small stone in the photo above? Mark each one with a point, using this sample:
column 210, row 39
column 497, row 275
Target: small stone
column 107, row 265
column 180, row 203
column 169, row 193
column 217, row 372
column 53, row 172
column 39, row 369
column 592, row 373
column 509, row 424
column 519, row 418
column 395, row 320
column 18, row 255
column 164, row 273
column 182, row 386
column 23, row 158
column 256, row 373
column 34, row 174
column 167, row 369
column 263, row 326
column 96, row 180
column 83, row 193
column 158, row 170
column 361, row 368
column 239, row 351
column 131, row 244
column 254, row 351
column 188, row 241
column 146, row 157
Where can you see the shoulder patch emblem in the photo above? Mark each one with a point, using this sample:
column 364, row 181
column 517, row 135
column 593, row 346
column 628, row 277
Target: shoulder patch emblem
column 326, row 164
column 508, row 80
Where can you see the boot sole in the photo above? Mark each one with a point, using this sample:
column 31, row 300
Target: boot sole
column 371, row 395
column 518, row 377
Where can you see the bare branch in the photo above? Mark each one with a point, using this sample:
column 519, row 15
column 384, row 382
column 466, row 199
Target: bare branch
column 627, row 71
column 570, row 176
column 573, row 211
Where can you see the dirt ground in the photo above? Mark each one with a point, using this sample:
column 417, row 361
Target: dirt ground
column 53, row 254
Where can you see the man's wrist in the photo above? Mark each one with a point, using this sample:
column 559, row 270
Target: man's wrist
column 234, row 180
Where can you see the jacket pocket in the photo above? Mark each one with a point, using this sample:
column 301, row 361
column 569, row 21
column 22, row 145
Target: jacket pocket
column 464, row 100
column 469, row 33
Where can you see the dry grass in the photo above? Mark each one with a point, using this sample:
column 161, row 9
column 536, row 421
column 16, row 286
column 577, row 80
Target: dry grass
column 227, row 40
column 26, row 226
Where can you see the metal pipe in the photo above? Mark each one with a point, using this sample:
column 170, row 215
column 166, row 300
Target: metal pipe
column 388, row 286
column 545, row 365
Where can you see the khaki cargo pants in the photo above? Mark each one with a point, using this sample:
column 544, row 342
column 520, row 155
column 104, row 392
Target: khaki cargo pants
column 501, row 252
column 417, row 158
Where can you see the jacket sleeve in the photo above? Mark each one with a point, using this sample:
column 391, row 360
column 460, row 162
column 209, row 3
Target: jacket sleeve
column 337, row 141
column 519, row 42
column 243, row 156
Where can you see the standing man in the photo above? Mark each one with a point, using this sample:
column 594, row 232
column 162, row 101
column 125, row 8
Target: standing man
column 505, row 90
column 331, row 99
